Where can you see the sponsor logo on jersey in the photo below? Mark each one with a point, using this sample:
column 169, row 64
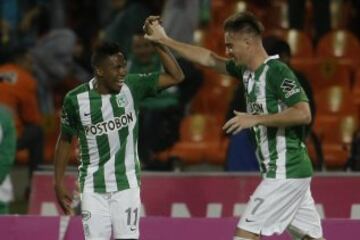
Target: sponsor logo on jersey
column 114, row 124
column 248, row 220
column 289, row 87
column 256, row 108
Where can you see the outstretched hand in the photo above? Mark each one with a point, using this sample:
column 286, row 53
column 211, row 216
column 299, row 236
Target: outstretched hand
column 239, row 122
column 153, row 29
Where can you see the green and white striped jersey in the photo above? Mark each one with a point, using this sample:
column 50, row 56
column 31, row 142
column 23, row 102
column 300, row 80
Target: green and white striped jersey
column 107, row 129
column 271, row 89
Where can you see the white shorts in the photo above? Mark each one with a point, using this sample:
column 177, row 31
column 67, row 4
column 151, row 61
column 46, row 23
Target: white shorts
column 279, row 204
column 117, row 212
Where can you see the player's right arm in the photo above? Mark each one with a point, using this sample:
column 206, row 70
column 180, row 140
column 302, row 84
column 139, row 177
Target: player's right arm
column 62, row 153
column 199, row 55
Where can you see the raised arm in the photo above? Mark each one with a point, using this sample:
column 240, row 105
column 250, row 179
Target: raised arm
column 62, row 152
column 173, row 73
column 199, row 55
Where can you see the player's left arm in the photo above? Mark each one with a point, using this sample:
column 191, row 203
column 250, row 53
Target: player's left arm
column 298, row 114
column 289, row 92
column 173, row 73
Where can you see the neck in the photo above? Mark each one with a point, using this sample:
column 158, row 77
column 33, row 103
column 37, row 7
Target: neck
column 258, row 58
column 100, row 88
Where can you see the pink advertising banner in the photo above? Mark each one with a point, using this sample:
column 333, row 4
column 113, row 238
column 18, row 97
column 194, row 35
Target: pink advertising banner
column 153, row 228
column 211, row 195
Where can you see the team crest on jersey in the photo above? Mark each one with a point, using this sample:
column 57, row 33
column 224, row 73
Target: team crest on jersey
column 86, row 215
column 289, row 87
column 121, row 101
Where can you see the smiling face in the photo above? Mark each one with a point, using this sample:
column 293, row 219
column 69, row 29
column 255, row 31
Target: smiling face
column 111, row 73
column 238, row 46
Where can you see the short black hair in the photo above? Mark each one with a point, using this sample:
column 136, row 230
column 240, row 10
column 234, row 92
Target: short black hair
column 103, row 51
column 274, row 45
column 243, row 22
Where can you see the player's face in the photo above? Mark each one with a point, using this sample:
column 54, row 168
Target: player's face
column 237, row 47
column 114, row 72
column 142, row 49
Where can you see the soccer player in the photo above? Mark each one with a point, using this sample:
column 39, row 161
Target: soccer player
column 103, row 114
column 277, row 109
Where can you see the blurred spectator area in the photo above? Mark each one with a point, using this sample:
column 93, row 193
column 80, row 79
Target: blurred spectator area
column 331, row 63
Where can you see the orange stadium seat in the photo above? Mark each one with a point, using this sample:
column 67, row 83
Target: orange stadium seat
column 324, row 73
column 299, row 42
column 217, row 155
column 337, row 141
column 199, row 133
column 214, row 39
column 340, row 14
column 335, row 124
column 339, row 44
column 221, row 10
column 277, row 14
column 334, row 100
column 212, row 100
column 356, row 89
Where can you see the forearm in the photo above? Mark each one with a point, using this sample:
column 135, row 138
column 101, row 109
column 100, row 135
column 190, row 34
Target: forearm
column 287, row 118
column 195, row 54
column 169, row 62
column 62, row 152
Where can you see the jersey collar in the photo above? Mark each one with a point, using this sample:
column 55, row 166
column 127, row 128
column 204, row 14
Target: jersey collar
column 271, row 58
column 91, row 83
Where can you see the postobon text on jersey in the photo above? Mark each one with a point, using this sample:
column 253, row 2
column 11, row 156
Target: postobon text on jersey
column 108, row 126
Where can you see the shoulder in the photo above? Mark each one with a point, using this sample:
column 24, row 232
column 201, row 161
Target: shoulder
column 279, row 69
column 72, row 94
column 79, row 89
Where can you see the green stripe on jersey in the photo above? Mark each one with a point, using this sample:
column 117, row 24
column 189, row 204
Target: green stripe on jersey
column 101, row 141
column 120, row 169
column 84, row 154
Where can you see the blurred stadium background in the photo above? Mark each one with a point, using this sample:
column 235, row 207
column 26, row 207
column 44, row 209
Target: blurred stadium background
column 195, row 183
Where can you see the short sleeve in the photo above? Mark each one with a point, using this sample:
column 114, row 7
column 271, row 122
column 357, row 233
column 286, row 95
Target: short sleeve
column 68, row 119
column 287, row 87
column 234, row 70
column 143, row 85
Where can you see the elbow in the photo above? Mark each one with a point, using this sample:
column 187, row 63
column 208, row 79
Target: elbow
column 179, row 77
column 303, row 113
column 307, row 118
